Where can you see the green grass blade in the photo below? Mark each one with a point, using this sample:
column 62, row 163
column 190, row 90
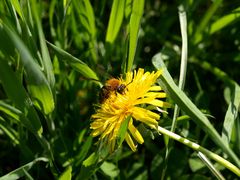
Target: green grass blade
column 135, row 21
column 67, row 174
column 86, row 16
column 184, row 58
column 10, row 111
column 17, row 7
column 210, row 166
column 89, row 166
column 14, row 7
column 205, row 20
column 20, row 172
column 46, row 60
column 9, row 131
column 16, row 92
column 189, row 108
column 77, row 64
column 115, row 21
column 236, row 135
column 122, row 131
column 184, row 53
column 37, row 83
column 231, row 114
column 182, row 77
column 84, row 150
column 225, row 20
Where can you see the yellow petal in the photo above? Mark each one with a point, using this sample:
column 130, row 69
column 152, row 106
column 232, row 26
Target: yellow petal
column 135, row 133
column 130, row 142
column 155, row 88
column 159, row 103
column 155, row 94
column 143, row 115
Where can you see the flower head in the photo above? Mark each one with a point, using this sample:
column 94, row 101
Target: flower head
column 138, row 90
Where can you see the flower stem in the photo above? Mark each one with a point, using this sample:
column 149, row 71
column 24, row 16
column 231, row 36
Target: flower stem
column 201, row 149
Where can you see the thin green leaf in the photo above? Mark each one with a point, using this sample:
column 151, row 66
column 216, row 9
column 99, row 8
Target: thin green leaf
column 236, row 135
column 231, row 114
column 115, row 21
column 20, row 172
column 89, row 166
column 10, row 111
column 205, row 20
column 87, row 20
column 17, row 7
column 13, row 7
column 77, row 64
column 21, row 100
column 128, row 8
column 210, row 166
column 9, row 131
column 84, row 150
column 86, row 16
column 10, row 84
column 46, row 60
column 182, row 77
column 225, row 20
column 189, row 108
column 37, row 83
column 122, row 131
column 135, row 21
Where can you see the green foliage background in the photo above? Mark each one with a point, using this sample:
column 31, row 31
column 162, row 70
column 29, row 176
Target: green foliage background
column 51, row 53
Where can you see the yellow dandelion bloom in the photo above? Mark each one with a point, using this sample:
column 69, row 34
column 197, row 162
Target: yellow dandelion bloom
column 136, row 91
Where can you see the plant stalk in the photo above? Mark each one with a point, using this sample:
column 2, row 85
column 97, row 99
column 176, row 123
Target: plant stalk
column 201, row 149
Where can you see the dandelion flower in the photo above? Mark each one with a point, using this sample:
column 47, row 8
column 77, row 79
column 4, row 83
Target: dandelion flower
column 138, row 91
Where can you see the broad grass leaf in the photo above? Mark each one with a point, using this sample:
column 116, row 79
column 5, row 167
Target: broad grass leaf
column 17, row 7
column 115, row 21
column 122, row 131
column 86, row 16
column 110, row 169
column 189, row 108
column 134, row 26
column 89, row 166
column 77, row 64
column 195, row 164
column 231, row 114
column 205, row 20
column 67, row 174
column 225, row 20
column 46, row 60
column 18, row 95
column 21, row 99
column 235, row 139
column 37, row 82
column 21, row 171
column 84, row 150
column 9, row 131
column 10, row 111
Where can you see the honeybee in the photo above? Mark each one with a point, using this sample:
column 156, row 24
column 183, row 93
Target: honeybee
column 112, row 85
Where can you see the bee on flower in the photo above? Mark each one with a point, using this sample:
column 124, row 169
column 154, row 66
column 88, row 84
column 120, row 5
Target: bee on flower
column 124, row 97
